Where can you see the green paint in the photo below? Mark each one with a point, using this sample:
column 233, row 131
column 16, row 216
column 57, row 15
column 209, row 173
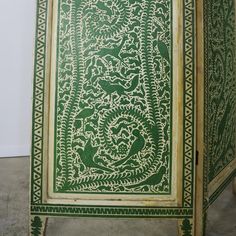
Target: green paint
column 110, row 211
column 38, row 102
column 36, row 226
column 114, row 97
column 220, row 86
column 189, row 109
column 187, row 227
column 37, row 208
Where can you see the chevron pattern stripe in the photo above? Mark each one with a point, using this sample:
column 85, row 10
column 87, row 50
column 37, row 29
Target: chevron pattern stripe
column 67, row 210
column 188, row 103
column 38, row 103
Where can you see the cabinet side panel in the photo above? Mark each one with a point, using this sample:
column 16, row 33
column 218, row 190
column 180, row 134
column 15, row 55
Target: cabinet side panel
column 219, row 140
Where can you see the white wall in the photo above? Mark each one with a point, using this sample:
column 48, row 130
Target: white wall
column 17, row 27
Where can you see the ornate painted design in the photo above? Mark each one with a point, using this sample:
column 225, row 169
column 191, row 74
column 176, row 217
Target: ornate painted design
column 109, row 211
column 38, row 102
column 36, row 226
column 187, row 227
column 220, row 127
column 114, row 97
column 38, row 123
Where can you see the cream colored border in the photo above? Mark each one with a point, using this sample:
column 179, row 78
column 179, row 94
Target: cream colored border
column 220, row 178
column 175, row 198
column 198, row 213
column 46, row 112
column 178, row 100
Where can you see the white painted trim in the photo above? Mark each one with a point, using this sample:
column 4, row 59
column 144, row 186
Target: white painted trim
column 12, row 151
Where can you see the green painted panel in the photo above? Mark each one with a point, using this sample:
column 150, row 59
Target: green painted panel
column 113, row 121
column 39, row 128
column 220, row 82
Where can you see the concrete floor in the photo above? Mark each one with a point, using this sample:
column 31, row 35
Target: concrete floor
column 14, row 176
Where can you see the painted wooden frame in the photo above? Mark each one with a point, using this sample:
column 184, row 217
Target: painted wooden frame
column 187, row 204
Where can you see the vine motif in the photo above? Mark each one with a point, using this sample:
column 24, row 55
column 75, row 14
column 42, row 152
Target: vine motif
column 38, row 122
column 113, row 108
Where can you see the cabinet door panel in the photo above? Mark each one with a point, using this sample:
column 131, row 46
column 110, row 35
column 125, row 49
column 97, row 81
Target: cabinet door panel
column 115, row 107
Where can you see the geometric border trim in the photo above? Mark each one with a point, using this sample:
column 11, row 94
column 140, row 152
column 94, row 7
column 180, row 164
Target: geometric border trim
column 189, row 97
column 107, row 211
column 38, row 102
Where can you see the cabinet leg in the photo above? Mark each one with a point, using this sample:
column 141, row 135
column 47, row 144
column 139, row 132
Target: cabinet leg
column 185, row 227
column 38, row 225
column 200, row 224
column 204, row 223
column 234, row 186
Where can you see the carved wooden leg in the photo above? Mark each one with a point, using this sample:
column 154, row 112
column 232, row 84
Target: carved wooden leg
column 38, row 225
column 185, row 227
column 234, row 185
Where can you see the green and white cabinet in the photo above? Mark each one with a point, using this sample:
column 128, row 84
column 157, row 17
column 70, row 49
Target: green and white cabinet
column 133, row 109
